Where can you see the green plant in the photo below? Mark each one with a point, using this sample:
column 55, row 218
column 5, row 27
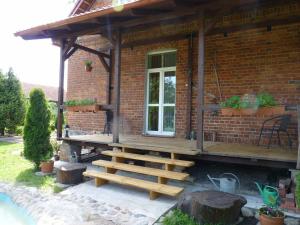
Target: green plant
column 19, row 130
column 269, row 211
column 248, row 101
column 55, row 145
column 179, row 218
column 80, row 102
column 12, row 103
column 266, row 100
column 297, row 192
column 37, row 147
column 88, row 63
column 232, row 102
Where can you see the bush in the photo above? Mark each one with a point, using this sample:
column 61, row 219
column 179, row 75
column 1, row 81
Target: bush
column 80, row 102
column 298, row 190
column 37, row 147
column 179, row 218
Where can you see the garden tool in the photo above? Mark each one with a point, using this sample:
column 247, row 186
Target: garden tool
column 227, row 184
column 269, row 194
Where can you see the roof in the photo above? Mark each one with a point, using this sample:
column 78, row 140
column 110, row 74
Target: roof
column 82, row 6
column 51, row 30
column 50, row 91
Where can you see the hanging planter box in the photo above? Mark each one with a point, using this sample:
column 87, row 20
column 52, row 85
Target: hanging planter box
column 271, row 111
column 248, row 112
column 230, row 112
column 83, row 108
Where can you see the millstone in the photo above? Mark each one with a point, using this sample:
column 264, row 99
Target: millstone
column 212, row 207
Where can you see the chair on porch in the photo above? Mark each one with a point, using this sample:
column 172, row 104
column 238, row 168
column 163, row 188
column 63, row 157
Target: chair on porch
column 276, row 124
column 108, row 122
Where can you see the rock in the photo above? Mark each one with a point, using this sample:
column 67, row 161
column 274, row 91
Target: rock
column 246, row 212
column 291, row 221
column 212, row 206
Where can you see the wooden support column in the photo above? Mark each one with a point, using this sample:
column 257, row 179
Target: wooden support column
column 298, row 116
column 200, row 82
column 189, row 88
column 60, row 109
column 117, row 82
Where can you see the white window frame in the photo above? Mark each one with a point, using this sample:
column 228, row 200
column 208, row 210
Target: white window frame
column 161, row 103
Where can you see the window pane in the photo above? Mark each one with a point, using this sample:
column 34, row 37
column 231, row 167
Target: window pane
column 154, row 61
column 169, row 87
column 153, row 118
column 153, row 88
column 169, row 118
column 169, row 59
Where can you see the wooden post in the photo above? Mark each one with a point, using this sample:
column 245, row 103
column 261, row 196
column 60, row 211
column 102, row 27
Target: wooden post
column 189, row 88
column 200, row 85
column 298, row 159
column 60, row 109
column 117, row 79
column 109, row 78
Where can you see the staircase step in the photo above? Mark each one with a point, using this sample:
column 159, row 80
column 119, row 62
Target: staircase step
column 148, row 158
column 154, row 188
column 142, row 170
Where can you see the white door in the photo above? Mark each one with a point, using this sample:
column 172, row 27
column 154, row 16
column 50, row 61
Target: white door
column 161, row 94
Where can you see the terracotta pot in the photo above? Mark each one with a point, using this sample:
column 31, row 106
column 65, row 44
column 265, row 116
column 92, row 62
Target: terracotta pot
column 47, row 167
column 88, row 68
column 271, row 111
column 230, row 112
column 248, row 112
column 83, row 108
column 267, row 220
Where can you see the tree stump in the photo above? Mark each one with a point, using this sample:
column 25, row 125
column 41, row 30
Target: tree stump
column 70, row 173
column 212, row 207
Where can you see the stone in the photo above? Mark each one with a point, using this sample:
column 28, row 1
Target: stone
column 212, row 206
column 246, row 212
column 66, row 151
column 291, row 221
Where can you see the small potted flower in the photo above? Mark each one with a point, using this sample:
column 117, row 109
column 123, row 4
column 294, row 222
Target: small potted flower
column 88, row 65
column 270, row 216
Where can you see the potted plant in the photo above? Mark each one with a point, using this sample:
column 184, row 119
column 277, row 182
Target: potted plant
column 84, row 105
column 88, row 65
column 270, row 216
column 268, row 105
column 231, row 106
column 248, row 105
column 37, row 147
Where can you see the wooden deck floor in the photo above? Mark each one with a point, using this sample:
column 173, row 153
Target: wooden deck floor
column 188, row 147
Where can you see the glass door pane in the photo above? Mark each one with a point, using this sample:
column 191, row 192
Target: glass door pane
column 169, row 119
column 154, row 88
column 169, row 87
column 153, row 118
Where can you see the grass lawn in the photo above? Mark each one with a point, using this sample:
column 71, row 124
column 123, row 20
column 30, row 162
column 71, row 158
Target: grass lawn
column 16, row 169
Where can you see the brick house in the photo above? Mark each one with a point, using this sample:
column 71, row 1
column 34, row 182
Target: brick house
column 250, row 48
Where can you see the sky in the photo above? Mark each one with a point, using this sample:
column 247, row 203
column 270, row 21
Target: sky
column 33, row 61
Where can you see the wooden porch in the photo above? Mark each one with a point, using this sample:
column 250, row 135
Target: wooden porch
column 213, row 151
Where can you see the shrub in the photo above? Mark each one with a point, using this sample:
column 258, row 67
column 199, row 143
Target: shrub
column 179, row 218
column 266, row 100
column 36, row 137
column 248, row 101
column 298, row 190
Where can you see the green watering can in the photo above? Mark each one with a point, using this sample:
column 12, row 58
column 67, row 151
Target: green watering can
column 269, row 195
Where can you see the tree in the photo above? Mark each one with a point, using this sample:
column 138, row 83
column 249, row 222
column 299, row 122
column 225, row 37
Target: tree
column 12, row 102
column 37, row 147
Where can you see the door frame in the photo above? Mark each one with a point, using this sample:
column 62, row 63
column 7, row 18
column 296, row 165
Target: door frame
column 160, row 105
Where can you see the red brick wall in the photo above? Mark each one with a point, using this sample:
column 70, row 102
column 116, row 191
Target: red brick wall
column 247, row 62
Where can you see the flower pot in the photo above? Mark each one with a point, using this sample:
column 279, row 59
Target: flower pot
column 88, row 68
column 248, row 112
column 47, row 166
column 83, row 108
column 230, row 112
column 267, row 220
column 271, row 111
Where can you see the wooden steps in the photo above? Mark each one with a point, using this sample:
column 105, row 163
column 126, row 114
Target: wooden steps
column 148, row 158
column 154, row 188
column 114, row 166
